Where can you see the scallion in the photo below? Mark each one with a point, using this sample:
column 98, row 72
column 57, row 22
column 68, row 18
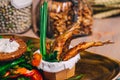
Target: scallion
column 43, row 26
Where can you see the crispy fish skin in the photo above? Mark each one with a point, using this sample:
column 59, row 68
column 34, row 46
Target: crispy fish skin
column 66, row 47
column 61, row 40
column 81, row 47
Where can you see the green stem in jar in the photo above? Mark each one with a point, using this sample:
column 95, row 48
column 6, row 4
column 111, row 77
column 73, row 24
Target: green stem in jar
column 43, row 29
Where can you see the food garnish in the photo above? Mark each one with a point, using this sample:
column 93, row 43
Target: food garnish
column 36, row 59
column 43, row 22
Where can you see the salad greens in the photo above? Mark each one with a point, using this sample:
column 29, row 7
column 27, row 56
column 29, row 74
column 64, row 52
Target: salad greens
column 4, row 68
column 52, row 57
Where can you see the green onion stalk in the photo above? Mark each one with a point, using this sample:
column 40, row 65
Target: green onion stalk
column 43, row 26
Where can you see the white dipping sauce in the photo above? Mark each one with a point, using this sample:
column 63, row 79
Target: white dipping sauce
column 8, row 46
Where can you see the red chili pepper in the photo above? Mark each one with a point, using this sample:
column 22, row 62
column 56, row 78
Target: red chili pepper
column 34, row 75
column 29, row 73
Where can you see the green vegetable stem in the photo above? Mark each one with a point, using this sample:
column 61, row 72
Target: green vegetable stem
column 43, row 25
column 7, row 66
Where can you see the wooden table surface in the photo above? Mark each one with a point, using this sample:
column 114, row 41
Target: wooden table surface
column 103, row 29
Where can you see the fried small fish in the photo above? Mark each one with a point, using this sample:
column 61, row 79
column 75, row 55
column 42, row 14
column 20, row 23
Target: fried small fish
column 81, row 47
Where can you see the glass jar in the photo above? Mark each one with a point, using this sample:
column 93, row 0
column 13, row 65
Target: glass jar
column 64, row 13
column 13, row 20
